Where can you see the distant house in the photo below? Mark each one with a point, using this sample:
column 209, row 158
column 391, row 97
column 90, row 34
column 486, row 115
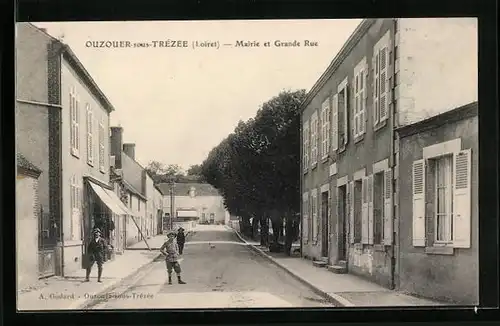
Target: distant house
column 28, row 212
column 200, row 199
column 133, row 183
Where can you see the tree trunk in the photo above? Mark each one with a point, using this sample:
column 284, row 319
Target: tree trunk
column 290, row 234
column 264, row 230
column 255, row 227
column 277, row 224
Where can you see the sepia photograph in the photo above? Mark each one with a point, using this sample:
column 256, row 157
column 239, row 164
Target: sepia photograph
column 313, row 163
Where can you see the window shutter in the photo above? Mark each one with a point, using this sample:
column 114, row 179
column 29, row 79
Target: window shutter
column 388, row 230
column 305, row 210
column 77, row 126
column 90, row 150
column 462, row 199
column 346, row 115
column 418, row 190
column 335, row 123
column 356, row 106
column 350, row 197
column 364, row 116
column 384, row 83
column 364, row 211
column 370, row 209
column 376, row 108
column 72, row 110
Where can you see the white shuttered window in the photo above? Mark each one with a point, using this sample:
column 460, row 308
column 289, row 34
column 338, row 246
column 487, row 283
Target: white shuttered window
column 325, row 128
column 305, row 217
column 314, row 214
column 359, row 105
column 102, row 151
column 90, row 135
column 74, row 108
column 314, row 138
column 306, row 134
column 381, row 77
column 335, row 124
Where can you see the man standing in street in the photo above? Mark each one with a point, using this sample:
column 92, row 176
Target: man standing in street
column 181, row 239
column 96, row 251
column 171, row 250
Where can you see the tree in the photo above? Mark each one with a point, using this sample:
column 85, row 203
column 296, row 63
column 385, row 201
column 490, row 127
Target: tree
column 164, row 173
column 256, row 168
column 194, row 170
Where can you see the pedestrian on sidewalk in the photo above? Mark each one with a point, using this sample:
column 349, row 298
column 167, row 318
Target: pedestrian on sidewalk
column 181, row 239
column 171, row 250
column 96, row 251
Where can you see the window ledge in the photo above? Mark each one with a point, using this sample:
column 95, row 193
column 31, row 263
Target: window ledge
column 90, row 163
column 379, row 247
column 380, row 125
column 359, row 138
column 305, row 171
column 74, row 154
column 342, row 149
column 324, row 159
column 441, row 250
column 358, row 246
column 314, row 165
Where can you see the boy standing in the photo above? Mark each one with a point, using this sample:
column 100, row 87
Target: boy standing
column 171, row 250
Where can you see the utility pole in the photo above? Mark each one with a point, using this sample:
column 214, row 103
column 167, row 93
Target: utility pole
column 172, row 185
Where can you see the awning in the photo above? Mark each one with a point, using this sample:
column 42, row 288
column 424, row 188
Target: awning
column 118, row 202
column 106, row 199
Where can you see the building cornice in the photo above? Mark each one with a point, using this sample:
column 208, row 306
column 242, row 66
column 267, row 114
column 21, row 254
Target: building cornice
column 461, row 113
column 346, row 49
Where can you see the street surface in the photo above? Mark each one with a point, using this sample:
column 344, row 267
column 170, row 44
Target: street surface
column 229, row 275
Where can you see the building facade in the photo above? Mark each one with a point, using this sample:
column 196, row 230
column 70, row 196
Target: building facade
column 201, row 198
column 33, row 112
column 377, row 82
column 27, row 223
column 438, row 226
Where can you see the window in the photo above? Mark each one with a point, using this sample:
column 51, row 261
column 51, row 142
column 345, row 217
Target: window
column 305, row 217
column 325, row 128
column 130, row 200
column 378, row 208
column 343, row 116
column 314, row 139
column 74, row 108
column 381, row 80
column 138, row 204
column 76, row 202
column 359, row 107
column 357, row 211
column 101, row 148
column 442, row 200
column 314, row 215
column 306, row 135
column 335, row 123
column 90, row 138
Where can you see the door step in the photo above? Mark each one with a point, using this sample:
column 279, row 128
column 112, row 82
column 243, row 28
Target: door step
column 337, row 269
column 342, row 263
column 319, row 263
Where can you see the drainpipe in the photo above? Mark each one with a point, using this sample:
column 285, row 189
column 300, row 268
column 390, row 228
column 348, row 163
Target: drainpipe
column 301, row 175
column 392, row 163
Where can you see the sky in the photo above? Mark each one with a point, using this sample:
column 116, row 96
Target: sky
column 177, row 103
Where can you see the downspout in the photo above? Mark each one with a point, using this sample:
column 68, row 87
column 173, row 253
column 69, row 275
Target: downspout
column 301, row 184
column 392, row 163
column 60, row 125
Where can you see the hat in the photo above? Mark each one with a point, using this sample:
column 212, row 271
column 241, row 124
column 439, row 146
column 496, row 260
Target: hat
column 96, row 230
column 171, row 233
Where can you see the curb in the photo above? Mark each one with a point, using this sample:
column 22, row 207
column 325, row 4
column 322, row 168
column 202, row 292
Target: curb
column 333, row 298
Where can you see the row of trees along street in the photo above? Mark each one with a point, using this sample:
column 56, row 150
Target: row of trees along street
column 257, row 171
column 160, row 172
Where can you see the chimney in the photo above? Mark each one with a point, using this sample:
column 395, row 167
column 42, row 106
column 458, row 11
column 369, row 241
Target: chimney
column 116, row 140
column 129, row 149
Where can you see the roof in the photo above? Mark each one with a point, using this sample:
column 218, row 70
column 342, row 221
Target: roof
column 23, row 163
column 461, row 113
column 78, row 66
column 182, row 189
column 133, row 190
column 351, row 42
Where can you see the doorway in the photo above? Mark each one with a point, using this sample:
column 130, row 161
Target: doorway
column 343, row 227
column 325, row 236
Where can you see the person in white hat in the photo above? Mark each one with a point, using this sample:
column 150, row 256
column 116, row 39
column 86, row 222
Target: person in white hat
column 171, row 251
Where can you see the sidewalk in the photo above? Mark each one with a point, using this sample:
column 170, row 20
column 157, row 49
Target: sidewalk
column 342, row 289
column 71, row 292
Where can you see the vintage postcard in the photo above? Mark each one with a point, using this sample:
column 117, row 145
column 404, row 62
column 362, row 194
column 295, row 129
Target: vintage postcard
column 247, row 164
